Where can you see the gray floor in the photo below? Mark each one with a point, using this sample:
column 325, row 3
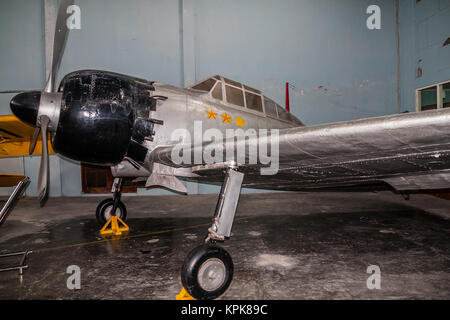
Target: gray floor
column 284, row 246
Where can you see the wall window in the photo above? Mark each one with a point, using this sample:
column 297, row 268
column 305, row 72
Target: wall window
column 428, row 99
column 446, row 95
column 433, row 97
column 99, row 180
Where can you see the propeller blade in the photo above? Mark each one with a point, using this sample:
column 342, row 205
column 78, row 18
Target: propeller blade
column 34, row 139
column 43, row 170
column 59, row 43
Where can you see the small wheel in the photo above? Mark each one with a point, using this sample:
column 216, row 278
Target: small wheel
column 103, row 212
column 207, row 272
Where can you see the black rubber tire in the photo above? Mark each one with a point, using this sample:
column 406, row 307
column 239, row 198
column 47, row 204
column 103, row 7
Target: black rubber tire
column 121, row 211
column 192, row 264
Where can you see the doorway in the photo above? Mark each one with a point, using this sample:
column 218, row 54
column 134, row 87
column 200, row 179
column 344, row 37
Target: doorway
column 96, row 179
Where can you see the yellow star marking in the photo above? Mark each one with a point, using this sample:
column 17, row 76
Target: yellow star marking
column 226, row 118
column 211, row 114
column 239, row 122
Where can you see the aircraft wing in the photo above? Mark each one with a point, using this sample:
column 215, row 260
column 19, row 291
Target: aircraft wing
column 405, row 151
column 15, row 138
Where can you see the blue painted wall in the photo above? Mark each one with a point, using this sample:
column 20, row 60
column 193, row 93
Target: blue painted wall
column 139, row 38
column 308, row 43
column 22, row 66
column 22, row 53
column 340, row 70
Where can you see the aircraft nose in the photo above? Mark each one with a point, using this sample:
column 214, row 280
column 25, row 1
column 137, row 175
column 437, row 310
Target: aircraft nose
column 25, row 106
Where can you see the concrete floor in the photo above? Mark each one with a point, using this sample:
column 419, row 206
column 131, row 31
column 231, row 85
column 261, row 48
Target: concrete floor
column 284, row 246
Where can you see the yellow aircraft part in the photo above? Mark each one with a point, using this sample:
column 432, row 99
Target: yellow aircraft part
column 10, row 180
column 18, row 149
column 184, row 295
column 112, row 227
column 12, row 129
column 15, row 138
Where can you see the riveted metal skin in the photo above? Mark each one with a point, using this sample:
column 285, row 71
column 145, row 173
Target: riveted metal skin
column 397, row 152
column 98, row 113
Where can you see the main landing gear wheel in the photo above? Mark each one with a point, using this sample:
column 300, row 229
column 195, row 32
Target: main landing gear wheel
column 103, row 212
column 207, row 272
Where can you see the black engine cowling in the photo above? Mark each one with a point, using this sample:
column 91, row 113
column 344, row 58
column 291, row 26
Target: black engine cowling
column 97, row 116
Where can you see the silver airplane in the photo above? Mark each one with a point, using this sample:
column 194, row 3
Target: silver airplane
column 130, row 125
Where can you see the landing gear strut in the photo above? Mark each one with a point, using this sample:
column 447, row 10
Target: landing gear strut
column 112, row 206
column 208, row 269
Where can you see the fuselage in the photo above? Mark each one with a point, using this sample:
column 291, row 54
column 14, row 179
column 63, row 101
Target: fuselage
column 185, row 107
column 107, row 118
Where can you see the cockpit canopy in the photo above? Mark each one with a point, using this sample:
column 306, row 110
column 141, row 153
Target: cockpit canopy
column 239, row 94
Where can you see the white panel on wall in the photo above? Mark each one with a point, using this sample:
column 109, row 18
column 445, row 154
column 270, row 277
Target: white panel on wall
column 208, row 188
column 10, row 166
column 70, row 177
column 32, row 165
column 192, row 188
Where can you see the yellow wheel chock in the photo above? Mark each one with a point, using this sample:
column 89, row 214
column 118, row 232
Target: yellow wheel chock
column 114, row 227
column 184, row 295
